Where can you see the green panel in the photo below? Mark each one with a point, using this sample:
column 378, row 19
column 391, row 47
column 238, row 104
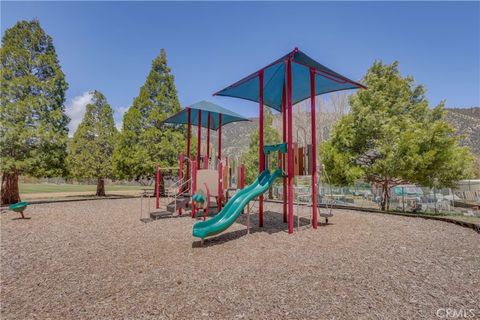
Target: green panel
column 19, row 206
column 281, row 147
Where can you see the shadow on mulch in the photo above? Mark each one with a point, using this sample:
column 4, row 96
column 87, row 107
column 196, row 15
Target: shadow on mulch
column 162, row 214
column 273, row 223
column 92, row 196
column 20, row 218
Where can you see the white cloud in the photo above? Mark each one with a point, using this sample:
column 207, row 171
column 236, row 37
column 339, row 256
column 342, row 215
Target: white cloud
column 119, row 112
column 75, row 109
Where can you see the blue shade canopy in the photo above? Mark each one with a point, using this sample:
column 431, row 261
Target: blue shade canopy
column 205, row 108
column 274, row 77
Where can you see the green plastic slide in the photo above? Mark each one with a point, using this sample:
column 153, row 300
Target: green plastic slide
column 234, row 207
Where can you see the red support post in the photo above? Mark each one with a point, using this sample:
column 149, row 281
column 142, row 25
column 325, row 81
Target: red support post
column 261, row 162
column 199, row 141
column 220, row 137
column 194, row 185
column 242, row 176
column 208, row 139
column 157, row 187
column 180, row 178
column 290, row 145
column 207, row 207
column 226, row 169
column 220, row 185
column 242, row 179
column 284, row 164
column 314, row 149
column 189, row 127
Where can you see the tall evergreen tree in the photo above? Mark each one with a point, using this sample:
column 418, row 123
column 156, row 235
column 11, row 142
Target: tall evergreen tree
column 33, row 124
column 392, row 137
column 144, row 141
column 270, row 136
column 91, row 149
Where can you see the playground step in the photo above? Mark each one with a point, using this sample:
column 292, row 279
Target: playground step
column 181, row 203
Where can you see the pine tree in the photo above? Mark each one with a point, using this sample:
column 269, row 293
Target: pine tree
column 91, row 149
column 392, row 137
column 33, row 124
column 144, row 140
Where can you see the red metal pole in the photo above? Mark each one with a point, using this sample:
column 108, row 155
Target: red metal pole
column 194, row 185
column 220, row 185
column 314, row 148
column 180, row 178
column 220, row 137
column 208, row 138
column 290, row 146
column 199, row 145
column 189, row 127
column 284, row 134
column 242, row 176
column 261, row 162
column 157, row 187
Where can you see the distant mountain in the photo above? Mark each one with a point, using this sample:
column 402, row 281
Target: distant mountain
column 467, row 124
column 236, row 136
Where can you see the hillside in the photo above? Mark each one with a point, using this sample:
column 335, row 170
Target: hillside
column 465, row 121
column 467, row 124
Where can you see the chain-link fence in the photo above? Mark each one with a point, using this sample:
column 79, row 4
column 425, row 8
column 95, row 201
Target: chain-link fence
column 404, row 198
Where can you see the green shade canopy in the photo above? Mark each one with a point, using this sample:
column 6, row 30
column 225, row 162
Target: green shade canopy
column 326, row 80
column 205, row 107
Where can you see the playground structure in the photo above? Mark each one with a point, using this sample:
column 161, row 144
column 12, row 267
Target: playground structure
column 293, row 78
column 207, row 176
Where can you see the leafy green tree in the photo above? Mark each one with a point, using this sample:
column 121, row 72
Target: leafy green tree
column 144, row 140
column 392, row 137
column 270, row 136
column 91, row 149
column 33, row 124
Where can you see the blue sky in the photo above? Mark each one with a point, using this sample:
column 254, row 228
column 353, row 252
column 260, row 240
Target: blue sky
column 109, row 46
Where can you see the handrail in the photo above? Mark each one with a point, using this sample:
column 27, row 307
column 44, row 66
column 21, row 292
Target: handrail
column 177, row 194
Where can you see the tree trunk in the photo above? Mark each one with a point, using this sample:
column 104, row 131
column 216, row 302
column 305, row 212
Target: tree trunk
column 100, row 187
column 162, row 187
column 9, row 191
column 385, row 203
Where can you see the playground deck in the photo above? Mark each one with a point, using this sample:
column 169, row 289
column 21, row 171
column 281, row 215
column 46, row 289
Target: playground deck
column 96, row 260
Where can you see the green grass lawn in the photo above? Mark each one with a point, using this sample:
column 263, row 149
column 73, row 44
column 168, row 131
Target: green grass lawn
column 29, row 188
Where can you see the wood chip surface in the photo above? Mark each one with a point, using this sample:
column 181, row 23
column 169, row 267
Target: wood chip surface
column 97, row 260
